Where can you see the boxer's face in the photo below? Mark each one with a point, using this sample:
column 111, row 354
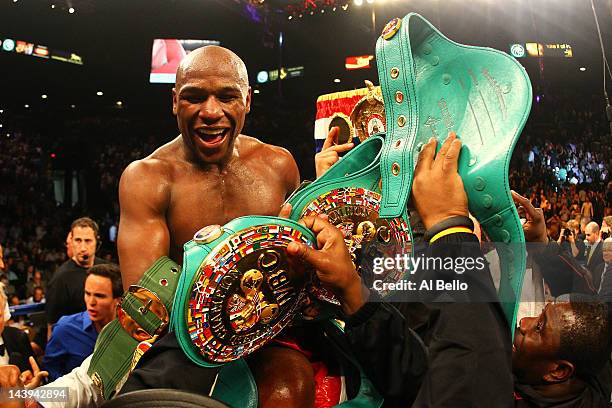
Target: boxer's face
column 210, row 104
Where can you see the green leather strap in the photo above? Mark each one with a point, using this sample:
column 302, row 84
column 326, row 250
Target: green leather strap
column 235, row 385
column 145, row 318
column 114, row 350
column 432, row 85
column 396, row 71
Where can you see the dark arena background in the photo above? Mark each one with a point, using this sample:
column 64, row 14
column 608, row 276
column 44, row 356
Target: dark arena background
column 79, row 102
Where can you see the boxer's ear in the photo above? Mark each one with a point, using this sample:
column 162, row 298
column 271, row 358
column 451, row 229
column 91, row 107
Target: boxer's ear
column 174, row 101
column 248, row 100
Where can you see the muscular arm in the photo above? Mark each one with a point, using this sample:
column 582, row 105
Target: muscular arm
column 144, row 194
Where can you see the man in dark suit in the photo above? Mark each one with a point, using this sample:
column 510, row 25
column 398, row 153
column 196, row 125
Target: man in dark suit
column 604, row 270
column 594, row 253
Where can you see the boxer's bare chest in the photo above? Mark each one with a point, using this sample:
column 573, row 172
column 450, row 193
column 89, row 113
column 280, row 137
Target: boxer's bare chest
column 200, row 198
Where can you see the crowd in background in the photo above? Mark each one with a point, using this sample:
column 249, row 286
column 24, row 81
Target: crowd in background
column 562, row 163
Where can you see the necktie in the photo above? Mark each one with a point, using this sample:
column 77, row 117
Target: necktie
column 603, row 276
column 590, row 254
column 587, row 254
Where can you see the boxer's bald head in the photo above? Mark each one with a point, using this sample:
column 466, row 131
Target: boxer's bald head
column 205, row 58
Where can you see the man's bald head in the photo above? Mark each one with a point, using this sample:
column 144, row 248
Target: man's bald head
column 212, row 55
column 592, row 232
column 592, row 227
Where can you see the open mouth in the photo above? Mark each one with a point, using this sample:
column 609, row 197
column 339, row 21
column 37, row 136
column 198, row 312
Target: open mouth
column 212, row 137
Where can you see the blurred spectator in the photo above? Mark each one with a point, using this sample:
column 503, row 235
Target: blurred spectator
column 65, row 291
column 594, row 253
column 38, row 296
column 74, row 336
column 604, row 270
column 14, row 300
column 606, row 227
column 36, row 282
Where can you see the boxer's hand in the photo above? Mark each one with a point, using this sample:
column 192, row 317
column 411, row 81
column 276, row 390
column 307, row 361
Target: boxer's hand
column 285, row 211
column 437, row 189
column 34, row 378
column 535, row 226
column 329, row 153
column 332, row 263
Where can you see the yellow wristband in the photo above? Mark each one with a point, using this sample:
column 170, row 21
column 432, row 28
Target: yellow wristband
column 448, row 231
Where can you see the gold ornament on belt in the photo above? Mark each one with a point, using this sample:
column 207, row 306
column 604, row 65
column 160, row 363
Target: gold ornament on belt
column 368, row 115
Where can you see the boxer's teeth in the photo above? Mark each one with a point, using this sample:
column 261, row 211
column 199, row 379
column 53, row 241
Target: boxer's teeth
column 211, row 135
column 211, row 132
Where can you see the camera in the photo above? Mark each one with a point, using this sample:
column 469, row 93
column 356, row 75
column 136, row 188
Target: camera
column 567, row 233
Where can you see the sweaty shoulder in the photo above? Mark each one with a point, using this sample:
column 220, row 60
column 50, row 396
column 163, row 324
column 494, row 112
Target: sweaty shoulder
column 279, row 159
column 152, row 175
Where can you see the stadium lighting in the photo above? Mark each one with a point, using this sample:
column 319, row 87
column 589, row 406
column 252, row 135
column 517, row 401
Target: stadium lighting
column 44, row 96
column 358, row 2
column 26, row 106
column 71, row 10
column 73, row 106
column 337, row 80
column 119, row 103
column 53, row 6
column 582, row 69
column 1, row 110
column 99, row 93
column 290, row 17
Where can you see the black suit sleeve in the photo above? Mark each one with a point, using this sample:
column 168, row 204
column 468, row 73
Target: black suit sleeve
column 392, row 355
column 18, row 347
column 562, row 272
column 468, row 345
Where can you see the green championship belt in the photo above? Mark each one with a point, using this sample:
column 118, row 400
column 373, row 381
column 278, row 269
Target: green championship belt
column 237, row 289
column 430, row 86
column 350, row 194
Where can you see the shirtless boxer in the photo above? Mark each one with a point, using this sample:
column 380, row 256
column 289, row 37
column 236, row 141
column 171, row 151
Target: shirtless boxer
column 210, row 174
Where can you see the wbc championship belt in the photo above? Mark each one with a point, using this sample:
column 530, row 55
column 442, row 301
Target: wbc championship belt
column 430, row 85
column 238, row 289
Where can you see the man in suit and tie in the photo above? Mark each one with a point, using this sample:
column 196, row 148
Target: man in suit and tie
column 604, row 270
column 594, row 253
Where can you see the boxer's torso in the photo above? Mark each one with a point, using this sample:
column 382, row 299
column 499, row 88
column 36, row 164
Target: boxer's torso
column 254, row 182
